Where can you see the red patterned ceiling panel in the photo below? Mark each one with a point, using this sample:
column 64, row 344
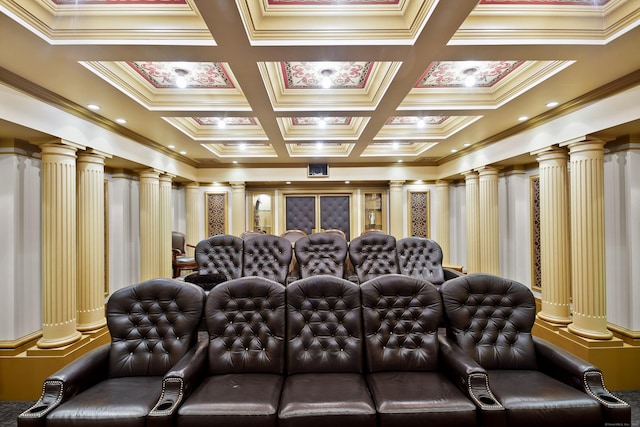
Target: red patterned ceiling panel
column 315, row 121
column 117, row 2
column 414, row 120
column 331, row 2
column 551, row 2
column 200, row 75
column 453, row 73
column 308, row 75
column 231, row 121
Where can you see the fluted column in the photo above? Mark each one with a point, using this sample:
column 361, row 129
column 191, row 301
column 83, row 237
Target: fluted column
column 165, row 226
column 489, row 221
column 192, row 196
column 555, row 236
column 587, row 240
column 91, row 241
column 149, row 224
column 473, row 221
column 59, row 247
column 238, row 208
column 396, row 219
column 442, row 219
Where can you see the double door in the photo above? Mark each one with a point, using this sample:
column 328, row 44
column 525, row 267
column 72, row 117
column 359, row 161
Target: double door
column 318, row 212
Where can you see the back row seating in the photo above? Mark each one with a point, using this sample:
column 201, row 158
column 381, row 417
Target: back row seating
column 326, row 351
column 226, row 257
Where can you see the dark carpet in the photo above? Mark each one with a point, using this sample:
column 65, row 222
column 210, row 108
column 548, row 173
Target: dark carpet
column 10, row 410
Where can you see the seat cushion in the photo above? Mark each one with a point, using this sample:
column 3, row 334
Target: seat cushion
column 233, row 400
column 124, row 402
column 419, row 398
column 327, row 399
column 532, row 398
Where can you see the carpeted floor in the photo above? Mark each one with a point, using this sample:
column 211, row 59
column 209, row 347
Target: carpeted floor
column 10, row 410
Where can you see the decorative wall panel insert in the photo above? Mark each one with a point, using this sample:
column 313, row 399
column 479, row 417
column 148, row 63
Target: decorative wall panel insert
column 536, row 266
column 419, row 214
column 216, row 204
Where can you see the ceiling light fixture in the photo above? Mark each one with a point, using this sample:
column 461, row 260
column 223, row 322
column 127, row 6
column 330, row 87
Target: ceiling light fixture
column 183, row 152
column 221, row 123
column 470, row 78
column 242, row 146
column 93, row 107
column 326, row 78
column 322, row 123
column 420, row 123
column 121, row 121
column 181, row 77
column 523, row 118
column 552, row 104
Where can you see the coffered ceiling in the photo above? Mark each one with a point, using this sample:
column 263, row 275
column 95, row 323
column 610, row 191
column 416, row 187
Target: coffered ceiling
column 213, row 82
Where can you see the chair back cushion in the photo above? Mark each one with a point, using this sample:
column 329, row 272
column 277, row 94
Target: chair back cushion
column 178, row 241
column 422, row 258
column 321, row 253
column 373, row 254
column 221, row 254
column 267, row 256
column 152, row 325
column 324, row 326
column 401, row 317
column 490, row 318
column 245, row 318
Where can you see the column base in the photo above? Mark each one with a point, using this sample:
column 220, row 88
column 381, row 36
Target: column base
column 594, row 335
column 555, row 320
column 58, row 342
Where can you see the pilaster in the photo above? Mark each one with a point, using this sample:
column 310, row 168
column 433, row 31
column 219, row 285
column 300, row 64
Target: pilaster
column 473, row 221
column 165, row 226
column 238, row 208
column 395, row 209
column 192, row 196
column 489, row 237
column 442, row 219
column 149, row 224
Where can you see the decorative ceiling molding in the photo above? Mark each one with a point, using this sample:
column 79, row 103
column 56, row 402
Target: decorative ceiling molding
column 319, row 150
column 397, row 149
column 129, row 81
column 409, row 129
column 284, row 98
column 551, row 22
column 241, row 150
column 144, row 23
column 299, row 129
column 509, row 86
column 331, row 23
column 207, row 129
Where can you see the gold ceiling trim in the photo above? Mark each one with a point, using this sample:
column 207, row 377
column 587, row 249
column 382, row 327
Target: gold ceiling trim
column 320, row 150
column 383, row 149
column 549, row 24
column 132, row 84
column 452, row 125
column 351, row 131
column 332, row 99
column 197, row 132
column 237, row 150
column 335, row 24
column 528, row 75
column 119, row 24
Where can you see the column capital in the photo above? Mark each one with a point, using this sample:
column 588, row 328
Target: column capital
column 488, row 170
column 167, row 177
column 470, row 174
column 443, row 183
column 237, row 185
column 396, row 184
column 584, row 144
column 59, row 142
column 149, row 173
column 192, row 185
column 551, row 153
column 549, row 150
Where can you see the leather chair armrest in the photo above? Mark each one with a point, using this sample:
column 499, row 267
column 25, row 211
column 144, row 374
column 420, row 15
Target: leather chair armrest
column 450, row 273
column 473, row 380
column 584, row 376
column 178, row 383
column 72, row 379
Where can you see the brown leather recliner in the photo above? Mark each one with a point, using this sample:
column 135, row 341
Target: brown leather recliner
column 321, row 253
column 325, row 384
column 267, row 256
column 490, row 318
column 153, row 327
column 401, row 317
column 219, row 258
column 421, row 257
column 242, row 369
column 372, row 255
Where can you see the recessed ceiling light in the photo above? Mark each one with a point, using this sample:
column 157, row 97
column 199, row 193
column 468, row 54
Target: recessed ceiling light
column 93, row 107
column 420, row 123
column 288, row 182
column 121, row 121
column 523, row 118
column 322, row 123
column 467, row 145
column 183, row 152
column 171, row 146
column 235, row 162
column 221, row 123
column 347, row 182
column 242, row 146
column 454, row 150
column 552, row 104
column 400, row 161
column 319, row 145
column 395, row 145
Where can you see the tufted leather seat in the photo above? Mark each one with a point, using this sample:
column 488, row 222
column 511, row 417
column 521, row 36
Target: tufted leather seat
column 267, row 256
column 372, row 255
column 401, row 318
column 219, row 258
column 243, row 367
column 153, row 326
column 490, row 318
column 421, row 257
column 325, row 383
column 321, row 253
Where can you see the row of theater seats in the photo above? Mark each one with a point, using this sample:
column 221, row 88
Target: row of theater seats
column 225, row 257
column 327, row 351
